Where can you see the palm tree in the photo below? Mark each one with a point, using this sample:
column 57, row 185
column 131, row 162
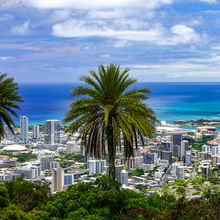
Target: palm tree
column 9, row 99
column 105, row 112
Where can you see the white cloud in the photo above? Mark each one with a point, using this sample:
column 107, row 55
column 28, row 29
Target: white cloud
column 204, row 67
column 21, row 29
column 96, row 4
column 126, row 30
column 121, row 43
column 81, row 28
column 59, row 15
column 8, row 3
column 183, row 35
column 4, row 58
column 210, row 1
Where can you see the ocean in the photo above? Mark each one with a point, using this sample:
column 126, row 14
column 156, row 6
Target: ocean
column 170, row 101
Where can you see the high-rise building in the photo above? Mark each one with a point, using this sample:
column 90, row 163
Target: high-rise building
column 73, row 147
column 138, row 161
column 55, row 164
column 215, row 160
column 24, row 128
column 96, row 166
column 206, row 148
column 57, row 179
column 28, row 172
column 175, row 140
column 132, row 162
column 180, row 172
column 165, row 155
column 68, row 179
column 124, row 177
column 166, row 145
column 36, row 132
column 205, row 170
column 118, row 169
column 203, row 156
column 216, row 150
column 174, row 167
column 46, row 163
column 188, row 158
column 183, row 148
column 150, row 157
column 52, row 131
column 9, row 136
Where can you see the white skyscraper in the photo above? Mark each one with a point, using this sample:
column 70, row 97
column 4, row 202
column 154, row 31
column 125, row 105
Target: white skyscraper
column 188, row 157
column 36, row 132
column 206, row 148
column 24, row 128
column 216, row 150
column 52, row 131
column 124, row 177
column 96, row 166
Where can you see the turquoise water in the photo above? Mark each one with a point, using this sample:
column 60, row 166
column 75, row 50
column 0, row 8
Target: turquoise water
column 171, row 101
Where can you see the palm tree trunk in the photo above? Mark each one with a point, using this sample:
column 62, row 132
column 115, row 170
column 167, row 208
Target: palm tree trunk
column 111, row 153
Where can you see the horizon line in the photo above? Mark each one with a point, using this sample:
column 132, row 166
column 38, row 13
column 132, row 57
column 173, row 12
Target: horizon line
column 136, row 82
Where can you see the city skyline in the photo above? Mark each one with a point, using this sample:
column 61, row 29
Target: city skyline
column 59, row 41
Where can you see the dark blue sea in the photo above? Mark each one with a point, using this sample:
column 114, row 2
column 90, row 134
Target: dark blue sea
column 170, row 101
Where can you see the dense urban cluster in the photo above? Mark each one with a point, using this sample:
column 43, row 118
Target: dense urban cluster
column 180, row 161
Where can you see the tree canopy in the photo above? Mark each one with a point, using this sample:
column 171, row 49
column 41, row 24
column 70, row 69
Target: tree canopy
column 9, row 99
column 107, row 110
column 95, row 200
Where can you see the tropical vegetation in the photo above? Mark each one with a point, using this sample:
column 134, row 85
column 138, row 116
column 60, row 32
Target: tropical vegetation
column 9, row 99
column 107, row 110
column 21, row 200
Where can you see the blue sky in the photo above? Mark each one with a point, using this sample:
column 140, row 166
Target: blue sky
column 159, row 40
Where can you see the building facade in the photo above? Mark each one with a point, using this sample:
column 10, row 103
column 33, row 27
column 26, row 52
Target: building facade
column 52, row 132
column 24, row 129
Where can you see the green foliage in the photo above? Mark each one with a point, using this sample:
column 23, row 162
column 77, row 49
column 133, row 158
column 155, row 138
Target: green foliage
column 198, row 180
column 24, row 157
column 197, row 144
column 180, row 182
column 181, row 191
column 105, row 110
column 9, row 99
column 15, row 213
column 103, row 183
column 191, row 133
column 97, row 201
column 79, row 158
column 4, row 197
column 137, row 172
column 142, row 188
column 27, row 194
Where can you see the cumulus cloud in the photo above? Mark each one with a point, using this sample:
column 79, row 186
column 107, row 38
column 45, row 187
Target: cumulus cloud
column 8, row 3
column 96, row 4
column 183, row 34
column 126, row 30
column 21, row 29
